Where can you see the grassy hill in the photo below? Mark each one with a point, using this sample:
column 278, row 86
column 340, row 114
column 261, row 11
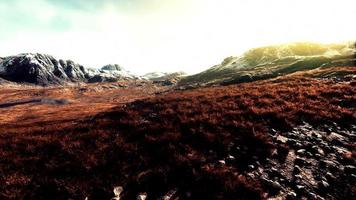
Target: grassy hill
column 227, row 142
column 273, row 61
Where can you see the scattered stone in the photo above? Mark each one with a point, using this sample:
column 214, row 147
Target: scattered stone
column 251, row 167
column 291, row 142
column 291, row 196
column 308, row 154
column 117, row 192
column 169, row 195
column 350, row 169
column 230, row 159
column 317, row 150
column 281, row 139
column 251, row 175
column 222, row 162
column 142, row 196
column 300, row 188
column 276, row 185
column 298, row 176
column 299, row 161
column 297, row 169
column 323, row 184
column 301, row 151
column 313, row 195
column 326, row 163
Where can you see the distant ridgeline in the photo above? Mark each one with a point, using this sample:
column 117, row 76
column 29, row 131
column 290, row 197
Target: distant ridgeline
column 273, row 61
column 42, row 69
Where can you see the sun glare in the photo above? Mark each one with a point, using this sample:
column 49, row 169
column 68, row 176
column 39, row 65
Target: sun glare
column 175, row 35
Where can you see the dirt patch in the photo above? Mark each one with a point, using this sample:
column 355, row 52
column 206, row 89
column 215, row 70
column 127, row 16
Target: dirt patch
column 35, row 101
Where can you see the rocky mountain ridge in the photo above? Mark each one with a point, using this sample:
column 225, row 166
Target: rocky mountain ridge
column 42, row 69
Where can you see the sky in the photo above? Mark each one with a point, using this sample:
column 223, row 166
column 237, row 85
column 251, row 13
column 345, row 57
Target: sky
column 166, row 35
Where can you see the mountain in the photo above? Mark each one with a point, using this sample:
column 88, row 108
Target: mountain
column 165, row 78
column 42, row 69
column 273, row 61
column 160, row 76
column 154, row 75
column 111, row 73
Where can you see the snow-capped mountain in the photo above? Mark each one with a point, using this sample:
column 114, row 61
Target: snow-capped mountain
column 117, row 71
column 44, row 69
column 159, row 76
column 153, row 75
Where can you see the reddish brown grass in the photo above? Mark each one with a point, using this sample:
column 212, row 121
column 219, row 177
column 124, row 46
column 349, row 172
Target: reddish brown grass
column 165, row 142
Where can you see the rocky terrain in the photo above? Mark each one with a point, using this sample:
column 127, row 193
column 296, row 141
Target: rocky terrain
column 41, row 69
column 273, row 61
column 291, row 137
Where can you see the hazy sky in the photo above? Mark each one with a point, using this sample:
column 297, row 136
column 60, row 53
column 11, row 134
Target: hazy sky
column 166, row 35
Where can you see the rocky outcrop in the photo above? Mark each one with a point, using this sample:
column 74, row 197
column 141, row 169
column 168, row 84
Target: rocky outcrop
column 112, row 67
column 42, row 69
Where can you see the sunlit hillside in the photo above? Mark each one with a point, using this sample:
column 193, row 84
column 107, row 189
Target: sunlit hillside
column 273, row 61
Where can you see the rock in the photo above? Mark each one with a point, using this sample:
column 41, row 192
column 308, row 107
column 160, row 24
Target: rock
column 300, row 188
column 350, row 169
column 325, row 163
column 317, row 150
column 169, row 195
column 298, row 176
column 142, row 196
column 308, row 154
column 251, row 175
column 323, row 184
column 276, row 185
column 42, row 69
column 330, row 177
column 353, row 177
column 301, row 151
column 112, row 67
column 117, row 192
column 101, row 78
column 230, row 159
column 222, row 162
column 281, row 139
column 299, row 161
column 313, row 195
column 291, row 196
column 318, row 156
column 297, row 169
column 291, row 142
column 274, row 172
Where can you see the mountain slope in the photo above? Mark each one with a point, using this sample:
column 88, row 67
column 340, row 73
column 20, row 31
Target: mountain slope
column 273, row 61
column 163, row 78
column 42, row 69
column 111, row 73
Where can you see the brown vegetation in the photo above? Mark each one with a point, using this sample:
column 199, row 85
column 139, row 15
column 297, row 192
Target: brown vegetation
column 156, row 144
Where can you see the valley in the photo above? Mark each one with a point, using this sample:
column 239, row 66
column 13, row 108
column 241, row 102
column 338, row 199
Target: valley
column 291, row 137
column 270, row 124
